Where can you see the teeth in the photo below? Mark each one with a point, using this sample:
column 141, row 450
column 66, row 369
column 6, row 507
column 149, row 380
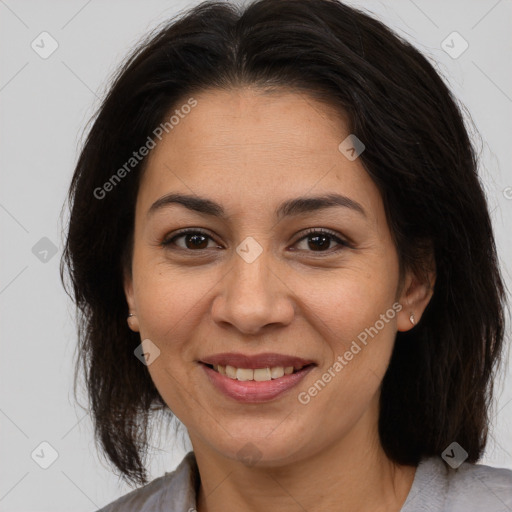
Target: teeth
column 277, row 372
column 259, row 374
column 230, row 371
column 244, row 374
column 262, row 374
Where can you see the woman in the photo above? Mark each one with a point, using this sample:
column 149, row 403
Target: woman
column 278, row 233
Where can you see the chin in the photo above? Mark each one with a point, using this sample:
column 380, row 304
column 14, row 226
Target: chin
column 252, row 449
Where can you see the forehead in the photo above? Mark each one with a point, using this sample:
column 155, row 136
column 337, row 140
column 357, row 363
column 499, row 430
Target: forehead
column 252, row 142
column 250, row 120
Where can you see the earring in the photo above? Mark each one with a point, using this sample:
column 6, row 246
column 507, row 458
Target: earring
column 412, row 320
column 129, row 319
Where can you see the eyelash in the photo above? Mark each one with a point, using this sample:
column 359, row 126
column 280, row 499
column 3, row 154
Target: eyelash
column 309, row 232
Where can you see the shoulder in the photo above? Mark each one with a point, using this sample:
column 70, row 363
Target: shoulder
column 171, row 492
column 471, row 487
column 480, row 487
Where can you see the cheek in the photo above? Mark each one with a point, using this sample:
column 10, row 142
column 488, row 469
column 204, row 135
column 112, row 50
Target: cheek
column 170, row 308
column 168, row 300
column 355, row 314
column 349, row 383
column 349, row 300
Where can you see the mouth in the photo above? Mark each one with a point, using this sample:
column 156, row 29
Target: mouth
column 255, row 379
column 256, row 374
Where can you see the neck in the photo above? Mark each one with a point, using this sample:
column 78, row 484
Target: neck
column 352, row 475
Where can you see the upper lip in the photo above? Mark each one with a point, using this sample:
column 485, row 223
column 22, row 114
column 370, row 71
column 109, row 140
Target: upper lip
column 266, row 360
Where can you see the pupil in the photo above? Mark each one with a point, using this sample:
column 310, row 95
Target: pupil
column 196, row 241
column 317, row 242
column 321, row 240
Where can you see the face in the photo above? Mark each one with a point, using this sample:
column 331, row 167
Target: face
column 245, row 276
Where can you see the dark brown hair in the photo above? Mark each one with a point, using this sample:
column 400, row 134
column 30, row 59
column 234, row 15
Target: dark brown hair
column 439, row 383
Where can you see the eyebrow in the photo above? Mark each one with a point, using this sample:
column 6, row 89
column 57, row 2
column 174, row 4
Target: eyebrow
column 288, row 208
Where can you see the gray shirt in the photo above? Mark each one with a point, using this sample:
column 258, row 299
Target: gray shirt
column 436, row 488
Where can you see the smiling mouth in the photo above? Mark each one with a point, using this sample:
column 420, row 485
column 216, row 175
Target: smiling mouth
column 256, row 374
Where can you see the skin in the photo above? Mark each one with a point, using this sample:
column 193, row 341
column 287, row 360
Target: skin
column 249, row 151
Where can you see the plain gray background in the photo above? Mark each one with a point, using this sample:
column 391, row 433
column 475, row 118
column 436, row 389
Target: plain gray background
column 45, row 105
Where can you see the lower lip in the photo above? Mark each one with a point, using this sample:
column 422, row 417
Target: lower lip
column 251, row 391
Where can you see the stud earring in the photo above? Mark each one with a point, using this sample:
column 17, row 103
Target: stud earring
column 411, row 318
column 130, row 320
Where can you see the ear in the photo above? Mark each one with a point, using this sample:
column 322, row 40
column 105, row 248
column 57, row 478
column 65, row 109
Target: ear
column 414, row 298
column 133, row 321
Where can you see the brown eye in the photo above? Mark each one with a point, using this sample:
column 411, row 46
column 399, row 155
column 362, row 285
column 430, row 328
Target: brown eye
column 190, row 240
column 196, row 241
column 320, row 241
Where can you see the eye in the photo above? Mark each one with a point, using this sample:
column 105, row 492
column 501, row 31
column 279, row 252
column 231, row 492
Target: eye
column 319, row 240
column 315, row 240
column 192, row 239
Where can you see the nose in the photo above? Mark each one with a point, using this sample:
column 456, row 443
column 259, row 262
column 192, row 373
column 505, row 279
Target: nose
column 252, row 296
